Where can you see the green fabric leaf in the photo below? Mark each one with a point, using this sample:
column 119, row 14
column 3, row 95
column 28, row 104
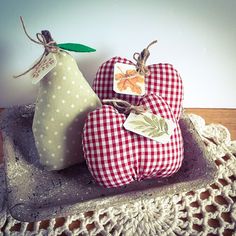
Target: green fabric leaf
column 75, row 47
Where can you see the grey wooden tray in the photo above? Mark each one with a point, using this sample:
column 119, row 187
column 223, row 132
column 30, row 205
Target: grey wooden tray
column 2, row 194
column 35, row 194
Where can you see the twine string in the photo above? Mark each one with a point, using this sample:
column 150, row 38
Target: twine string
column 141, row 59
column 41, row 40
column 124, row 106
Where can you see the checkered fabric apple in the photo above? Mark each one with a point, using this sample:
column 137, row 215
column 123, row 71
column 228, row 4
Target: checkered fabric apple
column 116, row 157
column 163, row 80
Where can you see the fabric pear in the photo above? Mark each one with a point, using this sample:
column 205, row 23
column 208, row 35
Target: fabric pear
column 64, row 100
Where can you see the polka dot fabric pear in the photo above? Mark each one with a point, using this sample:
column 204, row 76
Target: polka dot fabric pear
column 65, row 98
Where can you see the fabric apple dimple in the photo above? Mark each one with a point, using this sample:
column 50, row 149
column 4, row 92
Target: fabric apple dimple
column 163, row 80
column 117, row 157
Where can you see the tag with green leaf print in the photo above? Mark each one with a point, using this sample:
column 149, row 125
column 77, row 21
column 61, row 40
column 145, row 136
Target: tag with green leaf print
column 150, row 126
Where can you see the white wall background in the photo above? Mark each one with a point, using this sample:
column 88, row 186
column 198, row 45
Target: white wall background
column 197, row 36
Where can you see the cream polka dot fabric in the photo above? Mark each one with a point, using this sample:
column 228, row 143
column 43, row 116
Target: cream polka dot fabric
column 65, row 98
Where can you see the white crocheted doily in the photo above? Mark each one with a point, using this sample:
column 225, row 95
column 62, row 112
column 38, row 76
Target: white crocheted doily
column 207, row 210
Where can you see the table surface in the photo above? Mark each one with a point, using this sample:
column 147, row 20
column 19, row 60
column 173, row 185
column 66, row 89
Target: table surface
column 226, row 117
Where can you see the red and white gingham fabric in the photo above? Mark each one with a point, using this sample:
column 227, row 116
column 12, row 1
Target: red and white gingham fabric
column 116, row 157
column 163, row 80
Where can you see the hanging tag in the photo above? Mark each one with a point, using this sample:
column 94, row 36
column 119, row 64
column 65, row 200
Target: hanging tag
column 43, row 68
column 75, row 47
column 150, row 126
column 127, row 80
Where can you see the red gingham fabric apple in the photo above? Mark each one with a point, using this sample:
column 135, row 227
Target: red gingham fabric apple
column 116, row 157
column 162, row 80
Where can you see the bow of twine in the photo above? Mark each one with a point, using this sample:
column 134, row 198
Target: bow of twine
column 141, row 59
column 48, row 44
column 125, row 107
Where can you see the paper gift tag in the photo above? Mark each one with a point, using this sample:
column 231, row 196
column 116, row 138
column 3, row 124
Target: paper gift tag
column 43, row 68
column 150, row 126
column 127, row 80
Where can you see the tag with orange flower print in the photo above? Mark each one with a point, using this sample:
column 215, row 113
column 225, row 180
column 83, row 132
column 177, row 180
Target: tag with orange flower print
column 127, row 80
